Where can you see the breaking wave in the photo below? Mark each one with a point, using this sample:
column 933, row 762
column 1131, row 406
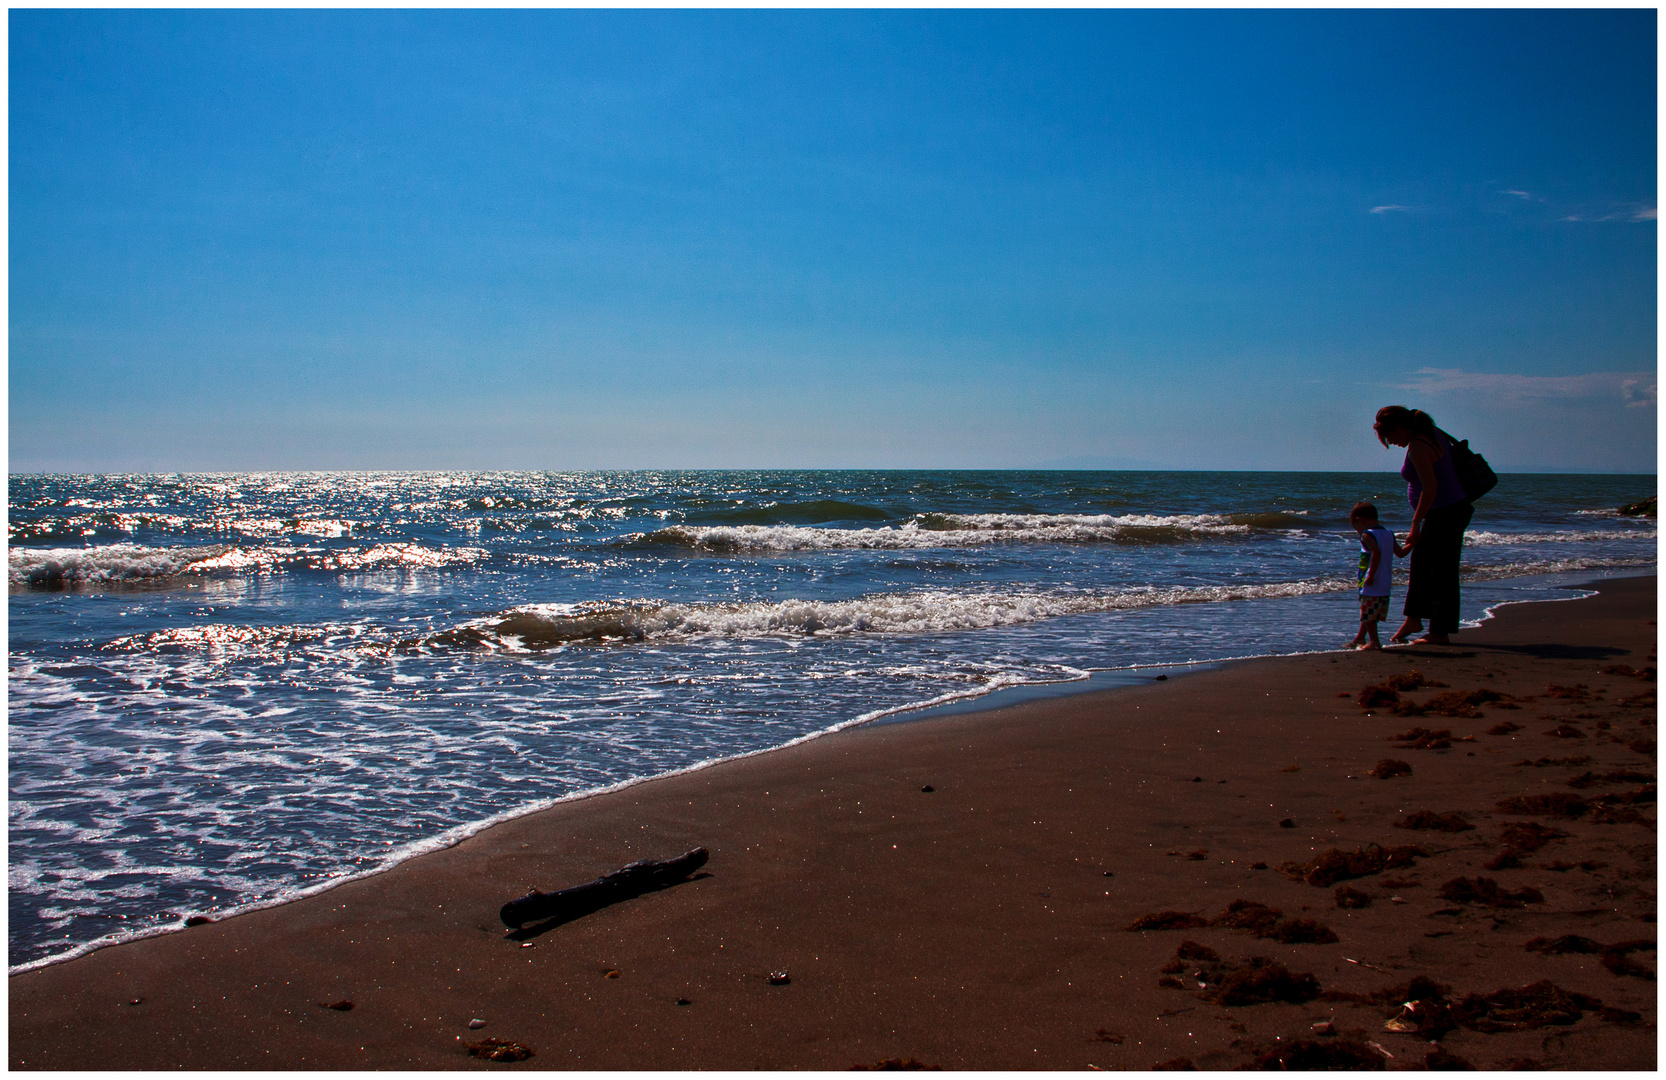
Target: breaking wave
column 1562, row 536
column 535, row 627
column 969, row 530
column 117, row 564
column 132, row 565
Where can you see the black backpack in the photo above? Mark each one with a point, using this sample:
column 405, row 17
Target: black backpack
column 1474, row 473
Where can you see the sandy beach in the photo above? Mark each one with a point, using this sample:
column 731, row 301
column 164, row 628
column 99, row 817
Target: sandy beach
column 960, row 892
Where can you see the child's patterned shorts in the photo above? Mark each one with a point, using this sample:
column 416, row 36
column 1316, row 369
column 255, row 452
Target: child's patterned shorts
column 1373, row 609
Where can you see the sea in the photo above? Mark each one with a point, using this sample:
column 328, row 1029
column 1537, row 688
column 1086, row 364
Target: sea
column 227, row 691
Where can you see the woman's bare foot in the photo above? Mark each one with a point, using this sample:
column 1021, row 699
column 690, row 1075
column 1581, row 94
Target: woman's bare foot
column 1407, row 629
column 1433, row 639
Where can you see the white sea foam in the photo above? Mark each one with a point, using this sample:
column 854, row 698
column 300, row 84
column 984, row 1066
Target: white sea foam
column 1481, row 538
column 133, row 564
column 112, row 564
column 1534, row 567
column 957, row 530
column 542, row 626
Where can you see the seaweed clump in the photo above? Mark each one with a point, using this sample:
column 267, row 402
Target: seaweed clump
column 499, row 1050
column 1553, row 804
column 1168, row 920
column 1389, row 767
column 1540, row 1005
column 1421, row 738
column 1337, row 865
column 907, row 1064
column 1259, row 980
column 1428, row 819
column 1526, row 836
column 1487, row 893
column 1308, row 1054
column 1349, row 897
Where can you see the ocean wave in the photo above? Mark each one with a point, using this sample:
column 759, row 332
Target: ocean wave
column 222, row 637
column 813, row 512
column 136, row 565
column 115, row 564
column 954, row 530
column 1535, row 567
column 535, row 627
column 1561, row 536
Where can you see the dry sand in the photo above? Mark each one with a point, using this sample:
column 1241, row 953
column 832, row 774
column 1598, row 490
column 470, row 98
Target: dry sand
column 984, row 924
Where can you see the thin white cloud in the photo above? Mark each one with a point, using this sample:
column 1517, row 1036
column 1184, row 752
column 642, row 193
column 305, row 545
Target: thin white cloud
column 1631, row 212
column 1388, row 209
column 1518, row 194
column 1635, row 389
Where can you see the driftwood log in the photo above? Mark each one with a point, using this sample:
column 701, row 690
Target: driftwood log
column 624, row 883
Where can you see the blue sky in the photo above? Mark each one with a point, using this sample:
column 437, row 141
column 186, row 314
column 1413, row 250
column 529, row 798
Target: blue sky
column 562, row 239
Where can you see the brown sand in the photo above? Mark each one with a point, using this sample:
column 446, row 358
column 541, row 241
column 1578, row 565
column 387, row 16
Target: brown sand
column 983, row 924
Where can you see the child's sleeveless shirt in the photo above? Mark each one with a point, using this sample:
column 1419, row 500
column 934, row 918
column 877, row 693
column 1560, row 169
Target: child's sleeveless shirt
column 1380, row 584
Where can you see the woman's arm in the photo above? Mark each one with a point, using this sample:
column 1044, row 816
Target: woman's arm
column 1423, row 457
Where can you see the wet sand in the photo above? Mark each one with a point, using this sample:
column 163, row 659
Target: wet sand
column 984, row 924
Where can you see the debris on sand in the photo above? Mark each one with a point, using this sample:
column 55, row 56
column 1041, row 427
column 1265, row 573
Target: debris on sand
column 1417, row 988
column 1576, row 692
column 1422, row 738
column 1248, row 915
column 898, row 1065
column 1411, row 680
column 1452, row 703
column 1169, row 920
column 339, row 1006
column 1428, row 819
column 1106, row 1035
column 1526, row 836
column 499, row 1050
column 1547, row 762
column 1619, row 776
column 1256, row 981
column 1427, row 1019
column 1504, row 860
column 1302, row 932
column 1627, row 669
column 1337, row 865
column 1567, row 943
column 1617, row 958
column 1306, row 1054
column 1190, row 954
column 1179, row 1064
column 1503, row 728
column 1376, row 697
column 1539, row 1005
column 1565, row 731
column 1487, row 893
column 1349, row 897
column 1553, row 804
column 1389, row 767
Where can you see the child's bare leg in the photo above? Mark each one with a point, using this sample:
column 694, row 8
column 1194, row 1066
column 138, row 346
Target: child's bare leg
column 1359, row 638
column 1371, row 630
column 1412, row 625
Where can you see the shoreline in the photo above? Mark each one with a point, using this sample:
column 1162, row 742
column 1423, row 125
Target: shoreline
column 883, row 899
column 965, row 703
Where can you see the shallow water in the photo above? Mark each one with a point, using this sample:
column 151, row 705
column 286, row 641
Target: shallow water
column 228, row 690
